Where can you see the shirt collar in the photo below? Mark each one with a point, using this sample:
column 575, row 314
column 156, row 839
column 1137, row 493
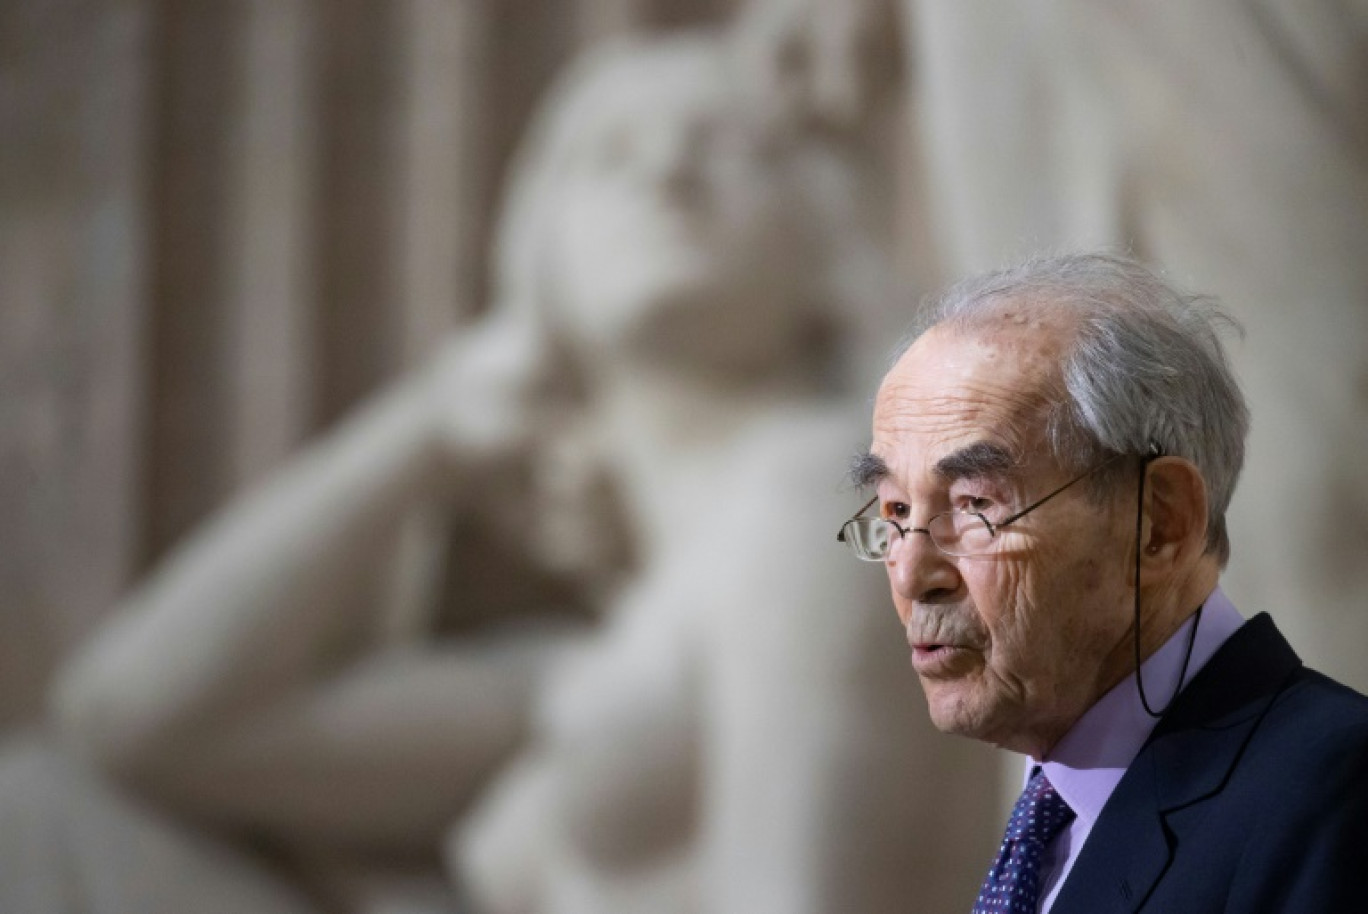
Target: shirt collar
column 1087, row 763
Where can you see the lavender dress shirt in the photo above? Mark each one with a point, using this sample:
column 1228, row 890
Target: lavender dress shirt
column 1087, row 763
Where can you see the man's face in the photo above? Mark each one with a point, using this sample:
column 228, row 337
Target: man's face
column 1014, row 646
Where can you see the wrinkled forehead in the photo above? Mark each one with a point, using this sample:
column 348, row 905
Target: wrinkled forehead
column 955, row 390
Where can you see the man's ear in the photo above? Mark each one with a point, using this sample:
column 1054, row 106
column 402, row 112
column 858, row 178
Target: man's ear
column 1175, row 511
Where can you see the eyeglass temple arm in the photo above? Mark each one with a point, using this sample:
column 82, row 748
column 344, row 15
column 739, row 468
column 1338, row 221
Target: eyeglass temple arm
column 1153, row 452
column 993, row 528
column 840, row 534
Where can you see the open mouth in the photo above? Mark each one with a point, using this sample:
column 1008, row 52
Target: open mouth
column 932, row 657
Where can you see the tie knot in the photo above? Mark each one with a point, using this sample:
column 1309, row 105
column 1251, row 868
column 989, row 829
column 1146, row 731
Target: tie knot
column 1039, row 814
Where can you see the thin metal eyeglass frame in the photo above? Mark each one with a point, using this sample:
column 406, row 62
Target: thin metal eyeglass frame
column 992, row 527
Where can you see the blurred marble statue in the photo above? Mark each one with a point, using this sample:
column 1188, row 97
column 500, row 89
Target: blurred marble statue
column 660, row 371
column 818, row 66
column 716, row 748
column 836, row 74
column 253, row 682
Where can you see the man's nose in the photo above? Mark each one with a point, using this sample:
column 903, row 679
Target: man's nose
column 919, row 571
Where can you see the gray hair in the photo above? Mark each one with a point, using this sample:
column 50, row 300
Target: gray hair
column 1145, row 368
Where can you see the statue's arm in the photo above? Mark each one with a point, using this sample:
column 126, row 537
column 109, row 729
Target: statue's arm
column 381, row 757
column 247, row 605
column 265, row 598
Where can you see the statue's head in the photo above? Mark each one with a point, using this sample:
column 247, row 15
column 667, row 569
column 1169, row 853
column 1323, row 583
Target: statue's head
column 822, row 66
column 651, row 217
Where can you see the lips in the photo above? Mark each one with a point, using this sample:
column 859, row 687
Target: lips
column 934, row 659
column 931, row 638
column 934, row 648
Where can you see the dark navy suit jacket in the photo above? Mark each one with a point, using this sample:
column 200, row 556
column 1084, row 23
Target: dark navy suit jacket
column 1251, row 796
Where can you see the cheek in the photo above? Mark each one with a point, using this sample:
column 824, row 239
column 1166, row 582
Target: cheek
column 901, row 606
column 1090, row 574
column 1098, row 582
column 1003, row 597
column 1029, row 642
column 1078, row 612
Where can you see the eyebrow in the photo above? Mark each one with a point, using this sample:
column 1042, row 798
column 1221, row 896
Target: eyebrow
column 982, row 458
column 867, row 469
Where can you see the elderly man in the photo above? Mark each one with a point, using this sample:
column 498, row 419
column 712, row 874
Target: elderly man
column 1052, row 459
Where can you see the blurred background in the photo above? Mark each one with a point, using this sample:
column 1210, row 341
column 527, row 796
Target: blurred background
column 228, row 229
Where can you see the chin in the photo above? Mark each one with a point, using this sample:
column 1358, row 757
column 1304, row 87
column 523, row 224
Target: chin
column 947, row 710
column 954, row 712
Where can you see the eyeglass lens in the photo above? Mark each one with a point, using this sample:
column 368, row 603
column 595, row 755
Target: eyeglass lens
column 954, row 533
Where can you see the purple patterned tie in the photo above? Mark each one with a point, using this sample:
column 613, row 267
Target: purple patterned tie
column 1013, row 884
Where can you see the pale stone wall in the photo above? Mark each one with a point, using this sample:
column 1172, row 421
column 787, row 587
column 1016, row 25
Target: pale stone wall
column 74, row 260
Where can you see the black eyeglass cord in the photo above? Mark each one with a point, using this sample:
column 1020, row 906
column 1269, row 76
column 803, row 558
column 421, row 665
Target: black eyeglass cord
column 1197, row 616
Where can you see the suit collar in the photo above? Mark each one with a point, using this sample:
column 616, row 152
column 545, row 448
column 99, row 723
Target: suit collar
column 1089, row 761
column 1187, row 759
column 1199, row 741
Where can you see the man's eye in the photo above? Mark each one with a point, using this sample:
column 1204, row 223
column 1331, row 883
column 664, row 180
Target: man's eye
column 896, row 510
column 975, row 503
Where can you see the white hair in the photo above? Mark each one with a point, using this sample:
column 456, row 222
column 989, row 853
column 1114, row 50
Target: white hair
column 1145, row 368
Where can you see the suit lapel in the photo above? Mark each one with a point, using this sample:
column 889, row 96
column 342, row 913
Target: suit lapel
column 1126, row 852
column 1187, row 760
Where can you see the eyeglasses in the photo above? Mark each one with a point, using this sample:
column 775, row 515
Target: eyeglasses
column 961, row 534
